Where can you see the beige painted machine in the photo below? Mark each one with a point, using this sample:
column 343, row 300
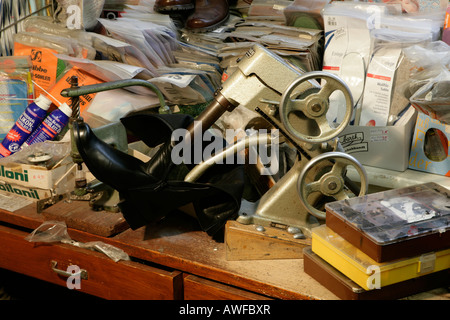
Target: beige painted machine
column 297, row 105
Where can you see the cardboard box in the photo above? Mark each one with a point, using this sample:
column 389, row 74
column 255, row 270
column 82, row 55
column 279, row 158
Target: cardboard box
column 32, row 176
column 385, row 147
column 36, row 184
column 37, row 181
column 33, row 194
column 430, row 146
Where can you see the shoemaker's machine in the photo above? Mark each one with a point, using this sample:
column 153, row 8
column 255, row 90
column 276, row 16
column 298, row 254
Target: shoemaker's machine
column 100, row 195
column 296, row 104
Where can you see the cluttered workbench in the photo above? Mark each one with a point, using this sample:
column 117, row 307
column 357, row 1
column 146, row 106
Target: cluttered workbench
column 131, row 202
column 176, row 261
column 171, row 260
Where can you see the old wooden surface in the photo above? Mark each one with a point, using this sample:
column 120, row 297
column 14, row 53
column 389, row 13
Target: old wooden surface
column 78, row 215
column 104, row 277
column 177, row 242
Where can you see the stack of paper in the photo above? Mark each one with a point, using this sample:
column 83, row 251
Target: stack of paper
column 155, row 41
column 299, row 45
column 186, row 74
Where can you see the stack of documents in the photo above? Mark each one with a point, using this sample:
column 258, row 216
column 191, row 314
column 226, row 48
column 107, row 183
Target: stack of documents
column 155, row 41
column 298, row 45
column 186, row 74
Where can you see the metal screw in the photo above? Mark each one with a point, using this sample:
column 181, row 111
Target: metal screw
column 260, row 228
column 316, row 107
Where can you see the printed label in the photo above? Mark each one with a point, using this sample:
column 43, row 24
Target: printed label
column 44, row 65
column 84, row 79
column 354, row 142
column 378, row 87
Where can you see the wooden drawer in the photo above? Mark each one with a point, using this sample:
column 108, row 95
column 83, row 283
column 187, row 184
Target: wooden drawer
column 105, row 278
column 196, row 288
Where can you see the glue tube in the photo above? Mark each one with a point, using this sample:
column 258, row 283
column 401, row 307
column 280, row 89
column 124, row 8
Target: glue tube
column 51, row 126
column 27, row 122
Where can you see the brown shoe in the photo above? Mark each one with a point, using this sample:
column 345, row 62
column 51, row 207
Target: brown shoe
column 166, row 6
column 208, row 15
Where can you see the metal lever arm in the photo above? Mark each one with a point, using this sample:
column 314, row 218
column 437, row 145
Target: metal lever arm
column 94, row 88
column 220, row 157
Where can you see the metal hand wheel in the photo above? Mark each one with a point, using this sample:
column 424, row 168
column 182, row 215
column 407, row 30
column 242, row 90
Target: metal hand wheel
column 315, row 107
column 330, row 183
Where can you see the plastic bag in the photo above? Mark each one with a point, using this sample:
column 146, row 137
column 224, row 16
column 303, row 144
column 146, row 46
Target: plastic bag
column 120, row 51
column 268, row 7
column 305, row 13
column 56, row 152
column 383, row 97
column 433, row 98
column 56, row 231
column 16, row 90
column 154, row 41
column 430, row 58
column 428, row 85
column 361, row 31
column 81, row 42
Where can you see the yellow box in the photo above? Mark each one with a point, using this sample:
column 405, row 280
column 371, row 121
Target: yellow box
column 365, row 271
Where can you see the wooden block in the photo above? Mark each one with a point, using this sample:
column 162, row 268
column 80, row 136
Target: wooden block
column 79, row 215
column 244, row 242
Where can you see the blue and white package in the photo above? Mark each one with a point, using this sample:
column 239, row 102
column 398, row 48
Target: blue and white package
column 25, row 125
column 51, row 126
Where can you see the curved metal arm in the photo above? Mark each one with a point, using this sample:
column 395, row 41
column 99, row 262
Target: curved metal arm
column 119, row 84
column 201, row 168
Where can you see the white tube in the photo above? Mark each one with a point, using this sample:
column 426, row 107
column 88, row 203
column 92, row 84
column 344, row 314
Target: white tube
column 201, row 168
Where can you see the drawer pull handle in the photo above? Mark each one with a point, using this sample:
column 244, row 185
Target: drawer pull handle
column 83, row 273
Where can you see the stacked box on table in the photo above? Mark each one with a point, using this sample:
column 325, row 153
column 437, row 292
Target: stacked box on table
column 37, row 181
column 396, row 223
column 344, row 288
column 387, row 239
column 365, row 271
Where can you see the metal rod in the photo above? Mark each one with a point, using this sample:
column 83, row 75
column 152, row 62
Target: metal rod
column 112, row 85
column 201, row 168
column 15, row 23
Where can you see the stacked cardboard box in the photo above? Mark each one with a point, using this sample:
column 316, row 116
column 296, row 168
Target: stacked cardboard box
column 384, row 245
column 38, row 180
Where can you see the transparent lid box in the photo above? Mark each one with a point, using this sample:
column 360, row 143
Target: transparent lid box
column 396, row 223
